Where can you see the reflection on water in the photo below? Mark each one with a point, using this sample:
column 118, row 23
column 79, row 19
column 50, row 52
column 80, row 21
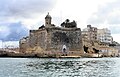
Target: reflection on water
column 80, row 67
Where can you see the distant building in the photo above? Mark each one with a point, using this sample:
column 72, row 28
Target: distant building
column 51, row 38
column 104, row 36
column 92, row 34
column 9, row 44
column 89, row 34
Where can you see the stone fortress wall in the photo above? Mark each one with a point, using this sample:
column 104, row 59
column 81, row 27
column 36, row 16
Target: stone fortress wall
column 52, row 38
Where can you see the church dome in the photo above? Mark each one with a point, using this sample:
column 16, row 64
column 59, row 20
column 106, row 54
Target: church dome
column 48, row 16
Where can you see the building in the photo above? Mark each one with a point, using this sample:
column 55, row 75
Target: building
column 89, row 34
column 24, row 44
column 9, row 44
column 92, row 34
column 104, row 36
column 49, row 38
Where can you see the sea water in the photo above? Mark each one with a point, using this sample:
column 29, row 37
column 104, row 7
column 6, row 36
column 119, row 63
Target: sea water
column 59, row 67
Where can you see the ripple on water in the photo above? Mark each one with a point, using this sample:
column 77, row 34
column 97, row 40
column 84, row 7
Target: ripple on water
column 83, row 67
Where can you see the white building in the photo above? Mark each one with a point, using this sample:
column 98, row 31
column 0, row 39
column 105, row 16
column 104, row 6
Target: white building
column 104, row 35
column 9, row 44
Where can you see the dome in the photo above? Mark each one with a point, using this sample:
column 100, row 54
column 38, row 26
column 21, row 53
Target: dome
column 48, row 16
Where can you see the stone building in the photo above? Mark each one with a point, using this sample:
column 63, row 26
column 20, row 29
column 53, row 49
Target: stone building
column 92, row 34
column 51, row 38
column 24, row 44
column 97, row 40
column 89, row 34
column 89, row 39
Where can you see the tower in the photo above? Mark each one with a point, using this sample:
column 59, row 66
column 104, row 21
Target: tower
column 48, row 20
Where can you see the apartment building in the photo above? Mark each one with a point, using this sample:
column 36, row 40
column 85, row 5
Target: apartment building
column 104, row 35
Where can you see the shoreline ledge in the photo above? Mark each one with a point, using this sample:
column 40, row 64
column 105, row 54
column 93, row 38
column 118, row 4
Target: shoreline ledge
column 29, row 55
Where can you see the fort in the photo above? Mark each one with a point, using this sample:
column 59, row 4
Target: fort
column 52, row 40
column 67, row 40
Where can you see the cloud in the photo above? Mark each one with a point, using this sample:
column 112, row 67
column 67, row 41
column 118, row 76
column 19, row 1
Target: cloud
column 106, row 14
column 18, row 15
column 28, row 12
column 12, row 31
column 24, row 8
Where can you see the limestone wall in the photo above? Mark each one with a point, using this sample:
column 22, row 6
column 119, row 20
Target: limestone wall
column 24, row 44
column 53, row 39
column 71, row 37
column 38, row 38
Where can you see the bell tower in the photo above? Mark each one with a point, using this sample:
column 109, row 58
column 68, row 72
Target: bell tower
column 48, row 20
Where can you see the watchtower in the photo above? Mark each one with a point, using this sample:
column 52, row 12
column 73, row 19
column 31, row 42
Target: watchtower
column 48, row 19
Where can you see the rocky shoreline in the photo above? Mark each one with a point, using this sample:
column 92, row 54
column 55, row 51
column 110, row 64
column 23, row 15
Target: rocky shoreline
column 4, row 54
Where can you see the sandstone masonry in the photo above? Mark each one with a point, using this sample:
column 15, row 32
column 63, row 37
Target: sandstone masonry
column 50, row 38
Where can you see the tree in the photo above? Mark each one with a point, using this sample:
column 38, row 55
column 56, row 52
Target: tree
column 67, row 20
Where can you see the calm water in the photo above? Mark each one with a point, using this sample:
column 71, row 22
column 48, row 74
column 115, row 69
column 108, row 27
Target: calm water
column 44, row 67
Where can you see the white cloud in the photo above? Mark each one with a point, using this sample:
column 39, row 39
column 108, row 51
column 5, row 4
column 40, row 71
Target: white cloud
column 79, row 10
column 28, row 12
column 107, row 14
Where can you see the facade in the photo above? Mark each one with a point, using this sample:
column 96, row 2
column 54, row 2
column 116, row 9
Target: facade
column 94, row 34
column 24, row 44
column 89, row 34
column 51, row 38
column 104, row 35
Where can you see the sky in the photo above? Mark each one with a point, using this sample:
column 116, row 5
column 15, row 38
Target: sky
column 17, row 17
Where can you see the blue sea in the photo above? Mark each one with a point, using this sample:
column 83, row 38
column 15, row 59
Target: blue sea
column 59, row 67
